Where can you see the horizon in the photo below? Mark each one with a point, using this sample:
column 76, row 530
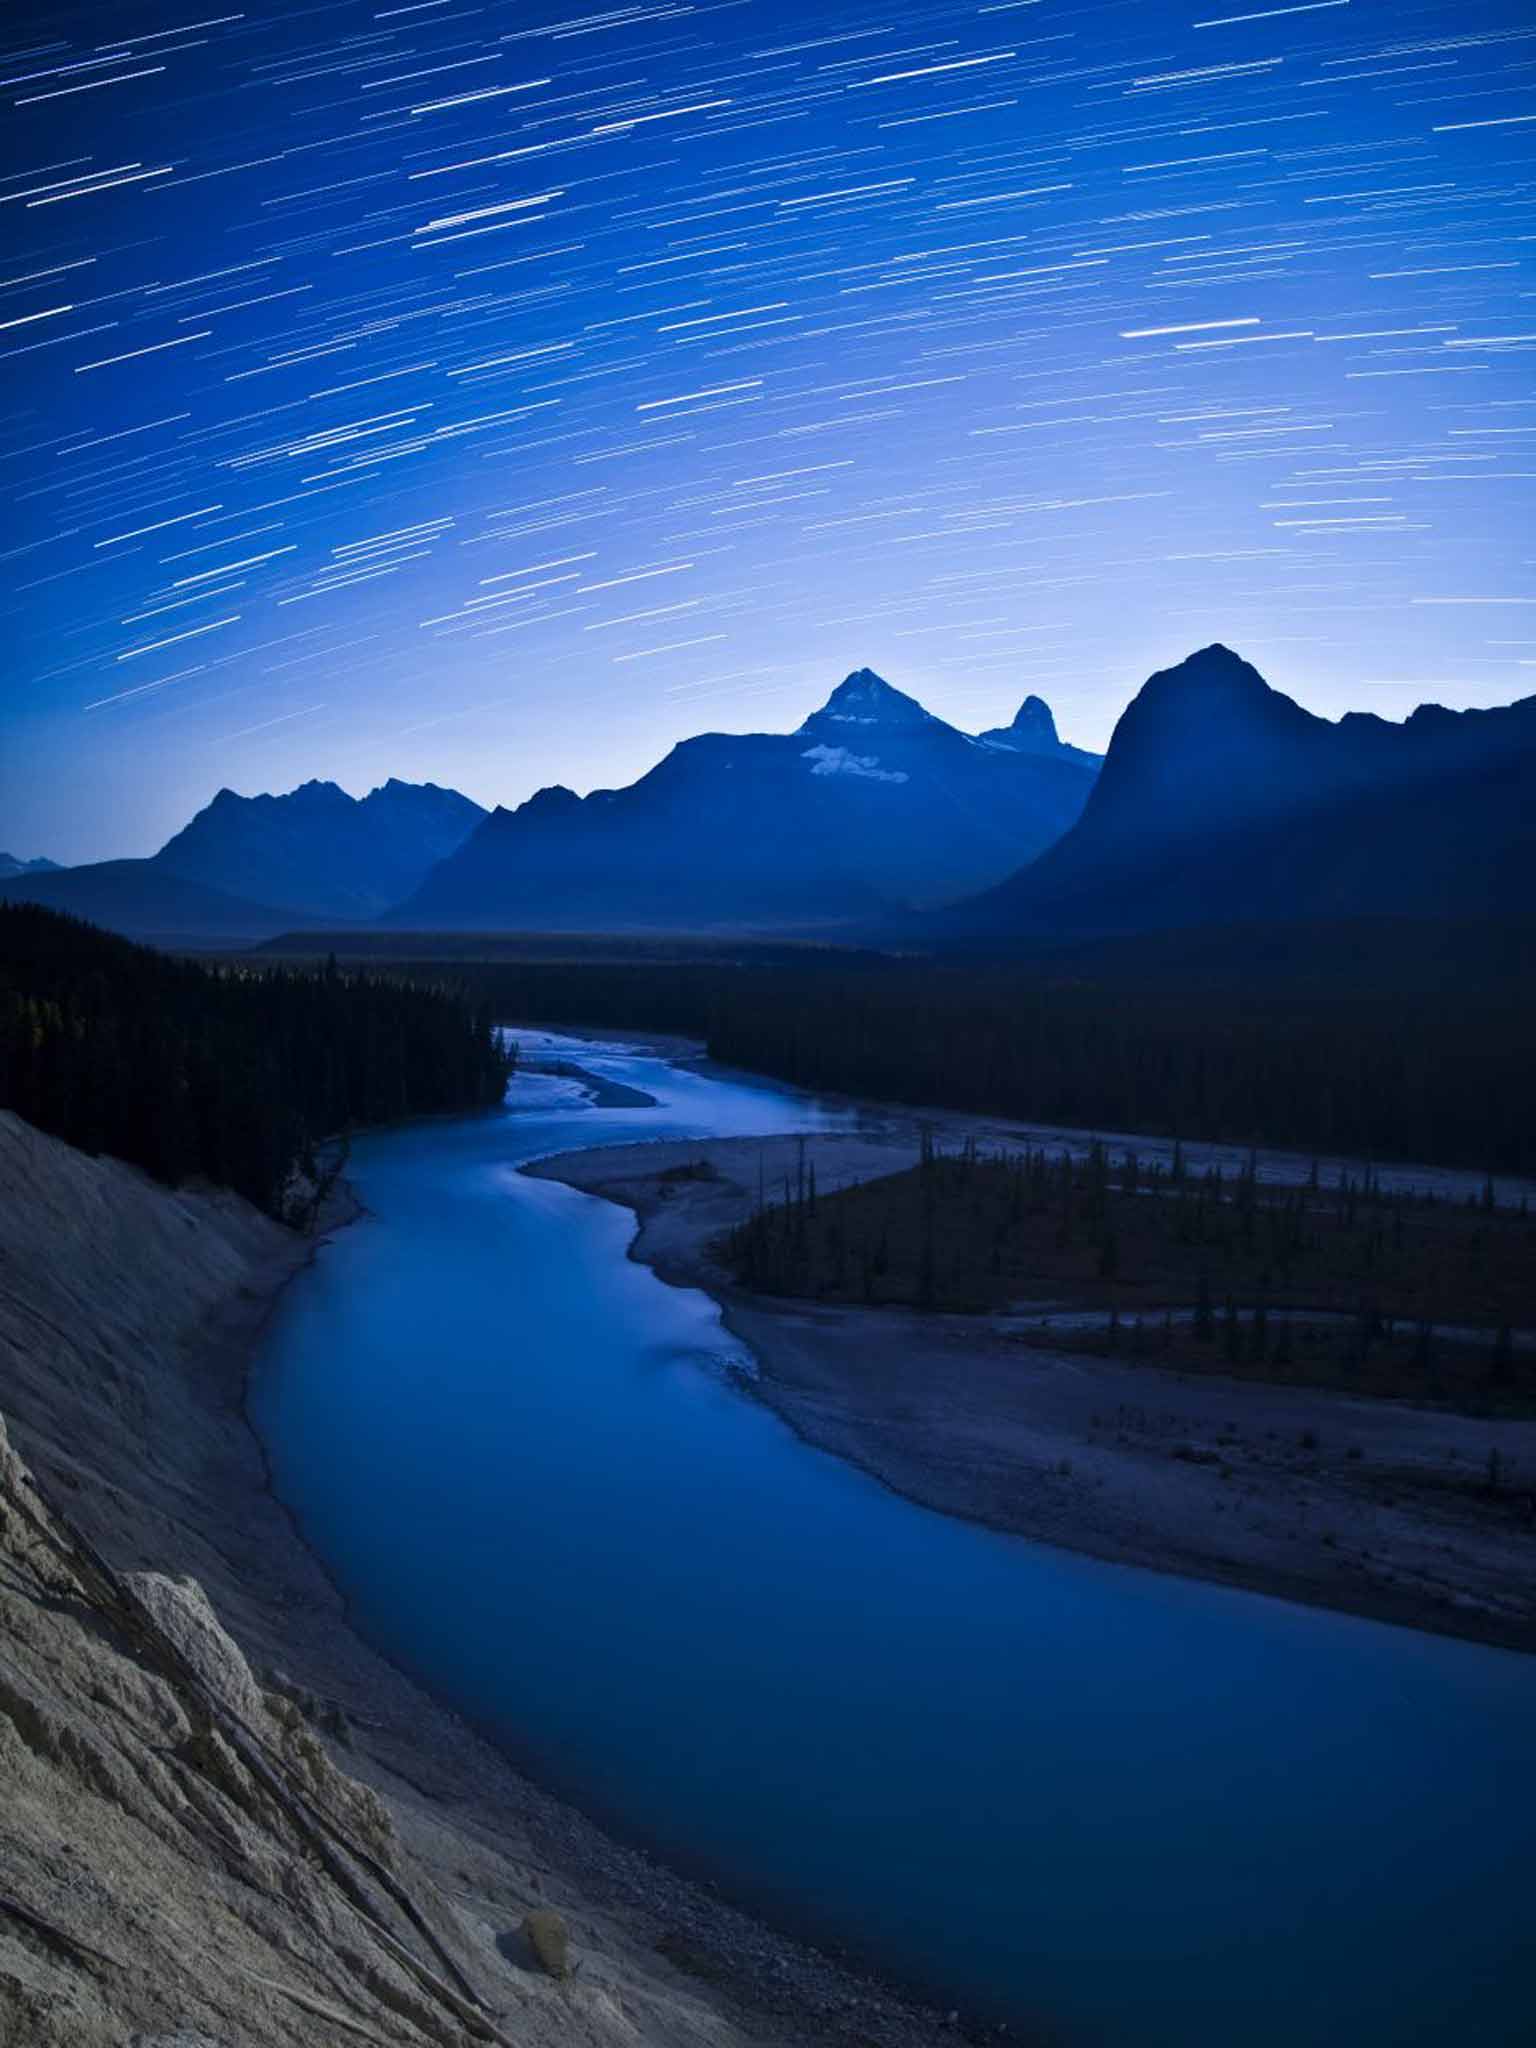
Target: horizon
column 497, row 411
column 494, row 802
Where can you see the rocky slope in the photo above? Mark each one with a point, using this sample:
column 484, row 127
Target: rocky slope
column 227, row 1822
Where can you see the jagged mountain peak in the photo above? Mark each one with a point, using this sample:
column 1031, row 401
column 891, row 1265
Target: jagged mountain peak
column 312, row 796
column 864, row 698
column 872, row 803
column 1033, row 731
column 316, row 849
column 1034, row 720
column 396, row 790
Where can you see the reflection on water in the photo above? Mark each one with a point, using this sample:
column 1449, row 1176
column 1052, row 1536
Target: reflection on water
column 1157, row 1812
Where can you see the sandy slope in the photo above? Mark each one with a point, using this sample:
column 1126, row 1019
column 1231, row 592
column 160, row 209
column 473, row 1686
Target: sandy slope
column 181, row 1859
column 1370, row 1506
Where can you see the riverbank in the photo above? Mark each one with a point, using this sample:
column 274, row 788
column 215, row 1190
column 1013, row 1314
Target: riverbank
column 601, row 1092
column 1405, row 1514
column 226, row 1815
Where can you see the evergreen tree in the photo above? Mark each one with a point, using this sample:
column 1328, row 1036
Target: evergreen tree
column 233, row 1072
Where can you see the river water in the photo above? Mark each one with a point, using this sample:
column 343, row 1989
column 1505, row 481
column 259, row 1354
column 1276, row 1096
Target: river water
column 1141, row 1810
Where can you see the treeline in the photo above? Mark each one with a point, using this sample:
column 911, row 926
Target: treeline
column 1444, row 1080
column 1348, row 1283
column 974, row 1229
column 1447, row 1079
column 231, row 1072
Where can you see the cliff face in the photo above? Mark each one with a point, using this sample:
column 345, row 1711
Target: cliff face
column 226, row 1821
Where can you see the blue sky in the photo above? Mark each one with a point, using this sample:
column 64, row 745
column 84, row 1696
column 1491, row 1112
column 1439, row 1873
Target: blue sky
column 498, row 394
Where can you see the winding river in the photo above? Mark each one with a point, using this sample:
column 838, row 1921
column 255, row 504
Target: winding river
column 1152, row 1813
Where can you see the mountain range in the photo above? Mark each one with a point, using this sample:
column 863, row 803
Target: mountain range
column 10, row 865
column 321, row 852
column 246, row 868
column 871, row 805
column 1221, row 803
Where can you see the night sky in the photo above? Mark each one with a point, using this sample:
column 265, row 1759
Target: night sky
column 496, row 394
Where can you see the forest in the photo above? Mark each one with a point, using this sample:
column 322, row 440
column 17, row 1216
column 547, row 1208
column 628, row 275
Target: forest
column 1341, row 1283
column 1440, row 1072
column 231, row 1072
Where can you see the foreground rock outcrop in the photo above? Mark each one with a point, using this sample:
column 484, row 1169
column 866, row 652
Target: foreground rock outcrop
column 225, row 1820
column 178, row 1851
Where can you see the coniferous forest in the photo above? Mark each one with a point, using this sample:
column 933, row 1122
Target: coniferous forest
column 230, row 1072
column 1445, row 1080
column 1435, row 1073
column 1344, row 1283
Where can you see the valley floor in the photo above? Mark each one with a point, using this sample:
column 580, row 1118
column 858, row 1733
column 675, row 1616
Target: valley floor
column 228, row 1820
column 1404, row 1513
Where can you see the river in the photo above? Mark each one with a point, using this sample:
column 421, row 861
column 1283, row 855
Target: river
column 1148, row 1812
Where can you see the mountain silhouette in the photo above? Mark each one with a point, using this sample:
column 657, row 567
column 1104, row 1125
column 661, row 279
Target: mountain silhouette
column 1222, row 800
column 1033, row 731
column 872, row 803
column 319, row 852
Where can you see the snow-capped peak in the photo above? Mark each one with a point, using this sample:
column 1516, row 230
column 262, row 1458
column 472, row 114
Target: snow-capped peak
column 865, row 699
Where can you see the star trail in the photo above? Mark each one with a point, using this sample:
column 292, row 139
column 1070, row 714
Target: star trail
column 497, row 393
